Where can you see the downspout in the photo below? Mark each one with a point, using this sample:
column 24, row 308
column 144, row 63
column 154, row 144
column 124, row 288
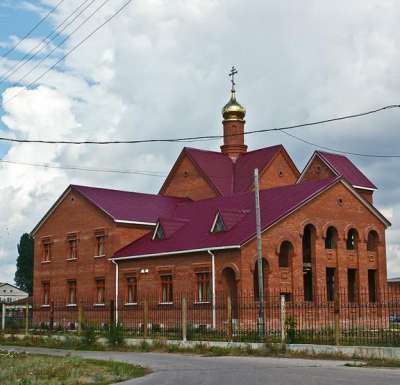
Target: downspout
column 213, row 288
column 116, row 289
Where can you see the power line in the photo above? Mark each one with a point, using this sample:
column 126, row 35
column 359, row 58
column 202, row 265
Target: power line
column 66, row 167
column 119, row 10
column 204, row 138
column 64, row 40
column 31, row 54
column 34, row 28
column 340, row 151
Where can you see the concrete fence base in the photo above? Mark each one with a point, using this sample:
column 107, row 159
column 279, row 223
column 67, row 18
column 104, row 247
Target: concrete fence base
column 351, row 352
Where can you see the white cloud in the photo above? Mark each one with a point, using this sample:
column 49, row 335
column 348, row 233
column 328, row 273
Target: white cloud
column 160, row 70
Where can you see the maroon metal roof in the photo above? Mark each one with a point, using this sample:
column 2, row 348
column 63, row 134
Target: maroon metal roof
column 195, row 234
column 347, row 169
column 229, row 177
column 130, row 206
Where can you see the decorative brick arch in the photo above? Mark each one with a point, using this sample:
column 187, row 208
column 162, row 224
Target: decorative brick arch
column 288, row 237
column 372, row 228
column 253, row 262
column 310, row 222
column 326, row 226
column 234, row 267
column 352, row 226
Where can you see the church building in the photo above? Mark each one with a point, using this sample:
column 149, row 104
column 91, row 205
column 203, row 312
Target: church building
column 320, row 231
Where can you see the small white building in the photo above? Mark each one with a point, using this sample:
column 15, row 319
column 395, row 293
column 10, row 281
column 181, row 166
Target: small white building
column 10, row 293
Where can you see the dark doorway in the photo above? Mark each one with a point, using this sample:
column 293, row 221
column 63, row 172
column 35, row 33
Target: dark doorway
column 330, row 283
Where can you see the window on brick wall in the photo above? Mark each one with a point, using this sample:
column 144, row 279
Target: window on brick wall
column 285, row 253
column 71, row 295
column 372, row 285
column 131, row 292
column 166, row 289
column 100, row 244
column 203, row 292
column 72, row 242
column 46, row 293
column 331, row 238
column 352, row 239
column 46, row 250
column 100, row 291
column 372, row 243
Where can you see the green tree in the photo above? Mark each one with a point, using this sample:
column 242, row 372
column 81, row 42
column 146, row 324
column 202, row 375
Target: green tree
column 24, row 274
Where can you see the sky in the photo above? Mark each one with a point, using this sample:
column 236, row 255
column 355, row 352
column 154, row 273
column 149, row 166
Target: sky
column 159, row 70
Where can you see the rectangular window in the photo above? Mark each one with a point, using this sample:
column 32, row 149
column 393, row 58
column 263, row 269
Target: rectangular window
column 46, row 293
column 287, row 296
column 72, row 247
column 330, row 284
column 372, row 285
column 100, row 291
column 352, row 285
column 203, row 287
column 100, row 243
column 166, row 289
column 131, row 296
column 46, row 251
column 71, row 292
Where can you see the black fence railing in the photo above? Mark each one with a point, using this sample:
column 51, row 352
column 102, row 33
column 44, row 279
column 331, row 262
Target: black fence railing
column 287, row 318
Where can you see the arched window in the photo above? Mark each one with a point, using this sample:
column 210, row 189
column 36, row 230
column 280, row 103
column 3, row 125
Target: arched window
column 255, row 278
column 372, row 243
column 352, row 240
column 331, row 238
column 285, row 253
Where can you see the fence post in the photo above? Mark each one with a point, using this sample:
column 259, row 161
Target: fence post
column 184, row 319
column 3, row 317
column 229, row 311
column 112, row 312
column 51, row 320
column 145, row 318
column 283, row 319
column 80, row 318
column 336, row 311
column 27, row 319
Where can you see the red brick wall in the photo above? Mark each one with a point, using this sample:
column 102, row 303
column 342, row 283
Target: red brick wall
column 318, row 170
column 321, row 212
column 278, row 173
column 188, row 182
column 76, row 215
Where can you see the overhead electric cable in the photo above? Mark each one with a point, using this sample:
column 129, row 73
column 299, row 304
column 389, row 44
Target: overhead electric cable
column 340, row 151
column 66, row 167
column 37, row 65
column 31, row 54
column 33, row 29
column 212, row 137
column 119, row 10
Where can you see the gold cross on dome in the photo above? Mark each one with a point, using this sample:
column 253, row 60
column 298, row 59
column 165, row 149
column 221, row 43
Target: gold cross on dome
column 232, row 74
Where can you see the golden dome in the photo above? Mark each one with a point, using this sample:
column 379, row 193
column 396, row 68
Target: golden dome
column 233, row 110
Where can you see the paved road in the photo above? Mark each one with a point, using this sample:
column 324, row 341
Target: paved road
column 175, row 369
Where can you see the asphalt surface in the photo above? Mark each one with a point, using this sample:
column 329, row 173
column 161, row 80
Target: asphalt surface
column 177, row 369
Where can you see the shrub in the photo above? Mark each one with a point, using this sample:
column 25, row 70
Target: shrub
column 290, row 326
column 88, row 335
column 115, row 334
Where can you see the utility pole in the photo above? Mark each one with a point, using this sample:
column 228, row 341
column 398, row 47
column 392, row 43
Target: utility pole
column 260, row 269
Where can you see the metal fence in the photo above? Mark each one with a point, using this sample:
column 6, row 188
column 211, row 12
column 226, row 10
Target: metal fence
column 287, row 318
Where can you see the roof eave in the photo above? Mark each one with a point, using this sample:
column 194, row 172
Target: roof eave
column 176, row 252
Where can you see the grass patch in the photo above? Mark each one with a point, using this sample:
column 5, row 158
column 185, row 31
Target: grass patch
column 267, row 350
column 36, row 369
